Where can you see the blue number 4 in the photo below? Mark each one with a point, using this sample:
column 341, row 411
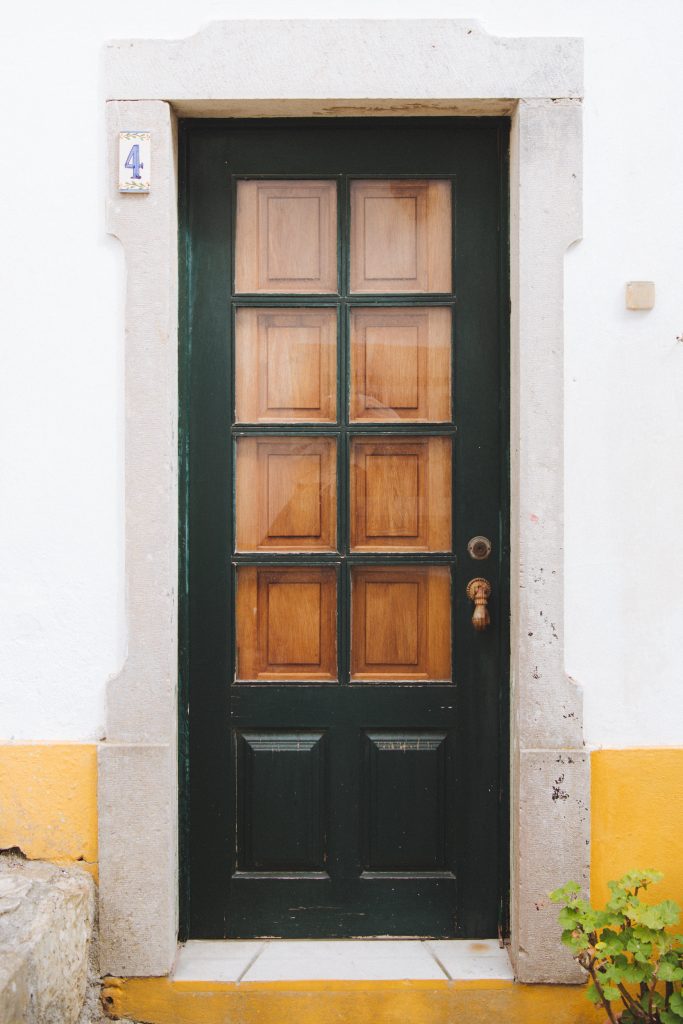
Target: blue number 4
column 133, row 161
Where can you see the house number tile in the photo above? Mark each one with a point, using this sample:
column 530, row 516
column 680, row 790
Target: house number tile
column 135, row 161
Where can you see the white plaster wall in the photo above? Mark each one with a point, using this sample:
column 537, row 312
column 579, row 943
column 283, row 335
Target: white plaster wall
column 62, row 604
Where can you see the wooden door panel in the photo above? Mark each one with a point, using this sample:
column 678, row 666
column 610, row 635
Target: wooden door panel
column 401, row 494
column 400, row 236
column 401, row 364
column 285, row 365
column 281, row 801
column 286, row 623
column 400, row 623
column 286, row 237
column 286, row 494
column 405, row 801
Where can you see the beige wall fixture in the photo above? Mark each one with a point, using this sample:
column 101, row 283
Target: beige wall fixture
column 363, row 68
column 640, row 295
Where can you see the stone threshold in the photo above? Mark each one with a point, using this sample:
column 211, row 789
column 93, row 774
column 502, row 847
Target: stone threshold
column 349, row 981
column 284, row 960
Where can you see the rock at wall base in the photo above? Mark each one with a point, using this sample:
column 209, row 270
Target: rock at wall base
column 46, row 921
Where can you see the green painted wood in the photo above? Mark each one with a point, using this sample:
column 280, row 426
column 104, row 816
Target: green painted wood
column 281, row 776
column 388, row 814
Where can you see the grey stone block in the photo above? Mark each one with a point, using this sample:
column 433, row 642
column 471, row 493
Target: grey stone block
column 46, row 922
column 553, row 848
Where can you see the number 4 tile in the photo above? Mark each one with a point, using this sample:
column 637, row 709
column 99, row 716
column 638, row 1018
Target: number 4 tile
column 135, row 161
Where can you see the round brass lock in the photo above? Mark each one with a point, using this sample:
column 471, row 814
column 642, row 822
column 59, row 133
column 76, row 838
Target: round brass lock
column 479, row 548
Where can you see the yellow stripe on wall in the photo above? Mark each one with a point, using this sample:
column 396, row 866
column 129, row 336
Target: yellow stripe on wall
column 48, row 808
column 48, row 801
column 637, row 817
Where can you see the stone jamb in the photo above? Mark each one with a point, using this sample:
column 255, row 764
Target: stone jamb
column 366, row 68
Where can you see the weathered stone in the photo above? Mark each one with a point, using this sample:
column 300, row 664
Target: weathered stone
column 46, row 920
column 552, row 849
column 138, row 879
column 403, row 61
column 137, row 791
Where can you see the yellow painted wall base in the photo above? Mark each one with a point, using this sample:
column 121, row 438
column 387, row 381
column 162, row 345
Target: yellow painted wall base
column 160, row 1001
column 636, row 800
column 48, row 801
column 48, row 808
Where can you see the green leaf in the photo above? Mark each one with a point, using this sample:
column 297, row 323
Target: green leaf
column 670, row 972
column 638, row 944
column 671, row 907
column 635, row 973
column 577, row 943
column 611, row 993
column 593, row 920
column 670, row 943
column 639, row 879
column 593, row 994
column 663, row 915
column 565, row 893
column 612, row 972
column 669, row 1017
column 676, row 1003
column 567, row 917
column 612, row 941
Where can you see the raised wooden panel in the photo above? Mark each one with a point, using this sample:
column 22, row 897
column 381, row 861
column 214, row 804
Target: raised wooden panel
column 286, row 239
column 281, row 815
column 286, row 623
column 401, row 494
column 393, row 622
column 283, row 646
column 401, row 364
column 392, row 493
column 400, row 236
column 400, row 623
column 285, row 365
column 286, row 494
column 404, row 798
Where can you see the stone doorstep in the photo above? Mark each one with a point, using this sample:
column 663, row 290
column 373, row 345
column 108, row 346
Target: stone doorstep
column 221, row 974
column 371, row 981
column 285, row 960
column 46, row 921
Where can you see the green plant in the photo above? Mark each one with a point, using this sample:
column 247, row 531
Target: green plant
column 635, row 963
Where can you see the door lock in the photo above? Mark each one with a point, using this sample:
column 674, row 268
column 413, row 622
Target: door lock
column 479, row 591
column 479, row 547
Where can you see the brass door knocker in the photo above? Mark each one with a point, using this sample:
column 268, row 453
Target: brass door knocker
column 479, row 591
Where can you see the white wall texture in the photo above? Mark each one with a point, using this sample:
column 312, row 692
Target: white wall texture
column 62, row 600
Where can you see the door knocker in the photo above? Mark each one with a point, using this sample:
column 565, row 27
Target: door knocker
column 479, row 591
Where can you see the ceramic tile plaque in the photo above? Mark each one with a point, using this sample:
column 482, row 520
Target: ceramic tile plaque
column 135, row 161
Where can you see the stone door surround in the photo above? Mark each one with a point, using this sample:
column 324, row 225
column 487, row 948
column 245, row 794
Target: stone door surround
column 323, row 69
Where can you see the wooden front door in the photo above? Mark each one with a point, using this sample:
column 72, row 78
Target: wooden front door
column 344, row 424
